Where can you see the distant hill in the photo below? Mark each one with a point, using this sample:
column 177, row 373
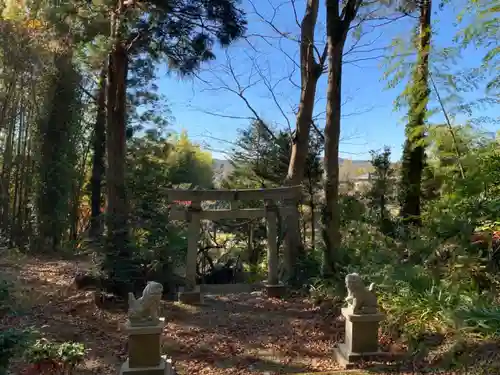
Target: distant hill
column 349, row 169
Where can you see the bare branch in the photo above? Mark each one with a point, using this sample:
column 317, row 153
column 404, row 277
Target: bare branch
column 222, row 115
column 271, row 89
column 239, row 91
column 270, row 22
column 297, row 22
column 250, row 69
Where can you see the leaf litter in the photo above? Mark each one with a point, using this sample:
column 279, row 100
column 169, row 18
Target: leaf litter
column 229, row 335
column 232, row 334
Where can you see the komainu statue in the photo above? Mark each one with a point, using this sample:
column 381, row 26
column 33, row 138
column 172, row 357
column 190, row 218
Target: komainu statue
column 144, row 310
column 362, row 300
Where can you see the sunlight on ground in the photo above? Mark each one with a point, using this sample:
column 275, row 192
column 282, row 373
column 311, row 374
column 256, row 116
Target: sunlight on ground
column 187, row 308
column 235, row 334
column 347, row 372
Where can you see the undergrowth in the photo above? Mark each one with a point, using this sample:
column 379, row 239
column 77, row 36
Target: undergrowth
column 39, row 355
column 423, row 298
column 441, row 278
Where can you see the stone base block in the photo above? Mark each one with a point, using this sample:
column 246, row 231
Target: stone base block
column 144, row 349
column 349, row 360
column 193, row 297
column 361, row 331
column 275, row 291
column 164, row 368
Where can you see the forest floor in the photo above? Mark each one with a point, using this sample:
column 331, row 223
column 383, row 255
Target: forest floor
column 233, row 334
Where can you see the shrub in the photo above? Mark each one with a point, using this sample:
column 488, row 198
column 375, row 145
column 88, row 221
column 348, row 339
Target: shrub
column 480, row 319
column 426, row 284
column 47, row 357
column 12, row 340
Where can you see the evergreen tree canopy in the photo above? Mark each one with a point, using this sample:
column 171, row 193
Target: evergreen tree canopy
column 266, row 157
column 184, row 31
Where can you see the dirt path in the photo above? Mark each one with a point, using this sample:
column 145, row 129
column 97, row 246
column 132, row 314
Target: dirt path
column 233, row 334
column 243, row 334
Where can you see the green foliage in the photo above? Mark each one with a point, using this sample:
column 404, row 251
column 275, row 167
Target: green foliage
column 12, row 340
column 381, row 192
column 418, row 299
column 433, row 279
column 42, row 350
column 451, row 152
column 57, row 159
column 188, row 163
column 430, row 279
column 148, row 172
column 321, row 290
column 467, row 203
column 42, row 354
column 409, row 189
column 416, row 95
column 260, row 160
column 420, row 309
column 352, row 207
column 265, row 157
column 256, row 148
column 45, row 355
column 171, row 29
column 463, row 89
column 480, row 318
column 481, row 22
column 154, row 162
column 438, row 77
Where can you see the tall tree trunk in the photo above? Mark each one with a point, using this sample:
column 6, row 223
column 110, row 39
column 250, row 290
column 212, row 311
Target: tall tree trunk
column 17, row 178
column 76, row 199
column 6, row 175
column 337, row 28
column 414, row 148
column 98, row 165
column 118, row 246
column 23, row 202
column 310, row 72
column 56, row 164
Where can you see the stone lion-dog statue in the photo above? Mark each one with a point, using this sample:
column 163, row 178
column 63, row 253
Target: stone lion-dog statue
column 144, row 310
column 360, row 299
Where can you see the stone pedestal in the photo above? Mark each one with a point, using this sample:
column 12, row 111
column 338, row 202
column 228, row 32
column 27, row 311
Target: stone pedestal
column 144, row 351
column 165, row 367
column 361, row 339
column 275, row 291
column 191, row 297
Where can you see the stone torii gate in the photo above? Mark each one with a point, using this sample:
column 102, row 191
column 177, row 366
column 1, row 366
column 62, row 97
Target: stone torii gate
column 193, row 214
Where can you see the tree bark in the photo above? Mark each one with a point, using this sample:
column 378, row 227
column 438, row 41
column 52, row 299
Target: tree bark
column 117, row 209
column 22, row 201
column 118, row 246
column 414, row 148
column 337, row 28
column 98, row 164
column 56, row 163
column 16, row 196
column 331, row 218
column 6, row 175
column 310, row 73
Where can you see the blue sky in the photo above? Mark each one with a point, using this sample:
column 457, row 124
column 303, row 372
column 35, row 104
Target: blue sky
column 211, row 112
